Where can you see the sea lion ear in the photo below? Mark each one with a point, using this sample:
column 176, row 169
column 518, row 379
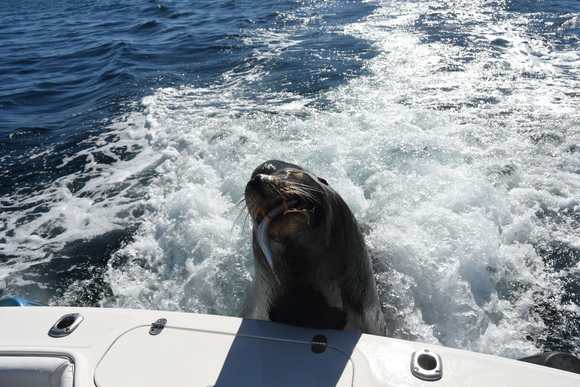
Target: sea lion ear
column 323, row 181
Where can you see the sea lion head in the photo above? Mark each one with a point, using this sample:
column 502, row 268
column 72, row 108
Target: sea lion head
column 293, row 198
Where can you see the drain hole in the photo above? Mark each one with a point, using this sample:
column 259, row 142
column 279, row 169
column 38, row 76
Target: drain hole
column 66, row 322
column 65, row 325
column 427, row 362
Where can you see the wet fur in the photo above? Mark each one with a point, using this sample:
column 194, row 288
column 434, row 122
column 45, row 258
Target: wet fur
column 325, row 277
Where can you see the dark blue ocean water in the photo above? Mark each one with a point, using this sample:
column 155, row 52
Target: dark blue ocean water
column 69, row 67
column 92, row 92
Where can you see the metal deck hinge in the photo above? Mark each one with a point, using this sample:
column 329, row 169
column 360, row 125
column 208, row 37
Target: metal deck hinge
column 318, row 344
column 157, row 326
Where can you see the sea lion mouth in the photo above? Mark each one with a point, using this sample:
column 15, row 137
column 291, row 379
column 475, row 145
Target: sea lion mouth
column 263, row 232
column 286, row 195
column 283, row 207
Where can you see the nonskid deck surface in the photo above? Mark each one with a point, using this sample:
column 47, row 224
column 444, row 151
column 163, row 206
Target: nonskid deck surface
column 125, row 348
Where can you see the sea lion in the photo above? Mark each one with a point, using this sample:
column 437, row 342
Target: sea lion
column 311, row 264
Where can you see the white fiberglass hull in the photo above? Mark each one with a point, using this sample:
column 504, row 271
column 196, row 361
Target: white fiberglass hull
column 115, row 348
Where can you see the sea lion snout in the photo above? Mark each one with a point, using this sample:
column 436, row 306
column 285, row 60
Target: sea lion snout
column 275, row 184
column 260, row 180
column 261, row 196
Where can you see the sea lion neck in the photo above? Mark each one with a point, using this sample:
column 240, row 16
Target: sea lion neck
column 306, row 292
column 306, row 260
column 305, row 306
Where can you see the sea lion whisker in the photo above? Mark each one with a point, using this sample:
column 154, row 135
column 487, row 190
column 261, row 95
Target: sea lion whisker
column 306, row 187
column 293, row 191
column 309, row 197
column 242, row 217
column 246, row 221
column 305, row 190
column 278, row 190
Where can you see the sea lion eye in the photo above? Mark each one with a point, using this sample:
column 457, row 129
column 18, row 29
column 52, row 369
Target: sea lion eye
column 323, row 181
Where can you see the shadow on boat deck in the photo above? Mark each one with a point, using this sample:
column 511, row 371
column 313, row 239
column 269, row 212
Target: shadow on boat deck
column 266, row 354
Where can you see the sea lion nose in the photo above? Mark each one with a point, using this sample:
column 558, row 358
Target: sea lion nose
column 265, row 178
column 259, row 179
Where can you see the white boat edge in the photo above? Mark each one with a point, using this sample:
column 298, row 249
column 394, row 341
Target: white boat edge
column 117, row 348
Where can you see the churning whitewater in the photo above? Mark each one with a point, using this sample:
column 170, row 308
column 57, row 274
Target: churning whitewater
column 451, row 129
